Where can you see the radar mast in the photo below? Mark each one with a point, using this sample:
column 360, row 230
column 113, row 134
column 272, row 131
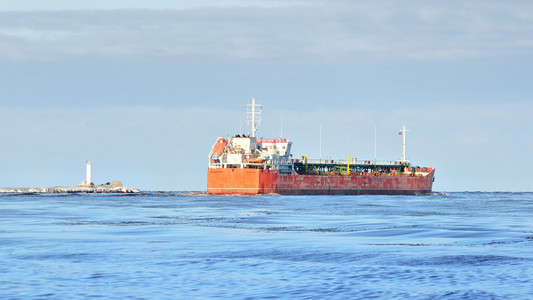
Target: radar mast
column 253, row 115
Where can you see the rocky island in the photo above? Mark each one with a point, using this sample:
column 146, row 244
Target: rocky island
column 86, row 186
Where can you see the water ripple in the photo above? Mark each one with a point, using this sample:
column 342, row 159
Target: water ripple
column 195, row 246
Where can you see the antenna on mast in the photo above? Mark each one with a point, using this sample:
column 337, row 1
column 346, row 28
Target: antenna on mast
column 253, row 115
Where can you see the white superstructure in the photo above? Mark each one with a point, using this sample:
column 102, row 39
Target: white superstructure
column 250, row 152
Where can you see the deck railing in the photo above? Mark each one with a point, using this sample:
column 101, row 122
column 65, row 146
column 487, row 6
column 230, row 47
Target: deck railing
column 351, row 161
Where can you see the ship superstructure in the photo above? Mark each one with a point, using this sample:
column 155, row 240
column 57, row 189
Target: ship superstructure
column 249, row 165
column 252, row 153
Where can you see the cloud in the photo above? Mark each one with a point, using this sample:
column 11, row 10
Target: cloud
column 53, row 5
column 332, row 31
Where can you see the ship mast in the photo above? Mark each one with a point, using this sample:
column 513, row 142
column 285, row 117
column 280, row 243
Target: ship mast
column 253, row 115
column 281, row 126
column 320, row 143
column 403, row 134
column 375, row 144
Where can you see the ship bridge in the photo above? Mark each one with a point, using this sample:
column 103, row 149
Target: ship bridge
column 252, row 153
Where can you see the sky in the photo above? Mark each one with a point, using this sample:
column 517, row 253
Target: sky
column 143, row 89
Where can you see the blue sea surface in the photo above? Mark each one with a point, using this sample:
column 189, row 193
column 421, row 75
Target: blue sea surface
column 195, row 246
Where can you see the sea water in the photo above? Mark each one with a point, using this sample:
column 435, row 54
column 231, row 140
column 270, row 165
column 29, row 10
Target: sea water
column 195, row 246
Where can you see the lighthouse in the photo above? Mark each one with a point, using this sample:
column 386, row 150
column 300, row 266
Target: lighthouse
column 88, row 175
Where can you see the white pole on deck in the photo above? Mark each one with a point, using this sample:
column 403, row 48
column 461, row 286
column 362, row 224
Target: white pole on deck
column 375, row 144
column 281, row 129
column 253, row 117
column 320, row 143
column 403, row 133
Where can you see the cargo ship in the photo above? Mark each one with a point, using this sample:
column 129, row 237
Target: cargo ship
column 246, row 165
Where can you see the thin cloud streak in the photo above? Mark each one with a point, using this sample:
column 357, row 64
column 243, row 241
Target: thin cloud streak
column 338, row 31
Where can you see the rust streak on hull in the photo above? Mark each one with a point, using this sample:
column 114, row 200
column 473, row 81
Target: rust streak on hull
column 258, row 181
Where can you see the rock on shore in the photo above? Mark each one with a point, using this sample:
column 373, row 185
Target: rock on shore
column 71, row 189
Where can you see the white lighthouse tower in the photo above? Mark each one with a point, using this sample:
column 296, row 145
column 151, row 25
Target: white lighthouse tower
column 88, row 175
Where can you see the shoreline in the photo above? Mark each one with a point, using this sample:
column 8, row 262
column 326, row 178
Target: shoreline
column 71, row 189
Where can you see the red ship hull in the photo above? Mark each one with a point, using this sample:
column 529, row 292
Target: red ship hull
column 258, row 181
